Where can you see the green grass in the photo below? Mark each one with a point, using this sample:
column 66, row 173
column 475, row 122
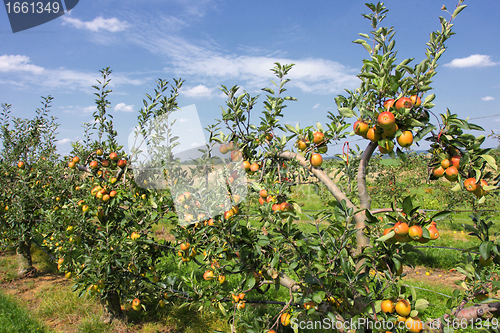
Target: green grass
column 15, row 319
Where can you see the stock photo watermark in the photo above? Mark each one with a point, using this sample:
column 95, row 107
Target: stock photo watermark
column 25, row 15
column 202, row 185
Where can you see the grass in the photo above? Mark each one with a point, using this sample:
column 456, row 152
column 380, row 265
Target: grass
column 15, row 319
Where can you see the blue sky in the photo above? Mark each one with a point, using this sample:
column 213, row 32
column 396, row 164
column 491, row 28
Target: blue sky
column 214, row 42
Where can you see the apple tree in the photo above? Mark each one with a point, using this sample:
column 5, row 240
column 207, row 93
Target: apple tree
column 350, row 266
column 28, row 173
column 103, row 236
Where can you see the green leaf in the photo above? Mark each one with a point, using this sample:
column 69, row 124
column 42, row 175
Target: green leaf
column 386, row 237
column 490, row 160
column 250, row 283
column 485, row 250
column 458, row 10
column 440, row 215
column 407, row 205
column 421, row 304
column 346, row 112
column 429, row 98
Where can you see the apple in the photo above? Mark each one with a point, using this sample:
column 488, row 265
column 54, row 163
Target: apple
column 222, row 279
column 136, row 304
column 318, row 137
column 85, row 208
column 438, row 172
column 405, row 139
column 455, row 161
column 185, row 246
column 113, row 156
column 386, row 120
column 403, row 307
column 76, row 159
column 285, row 319
column 223, row 149
column 404, row 102
column 99, row 152
column 94, row 165
column 122, row 164
column 361, row 128
column 254, row 167
column 302, row 145
column 373, row 135
column 470, row 184
column 261, row 201
column 246, row 165
column 21, row 165
column 208, row 275
column 387, row 306
column 415, row 232
column 276, row 208
column 321, row 149
column 263, row 193
column 316, row 160
column 445, row 163
column 451, row 173
column 433, row 232
column 389, row 133
column 269, row 136
column 415, row 100
column 401, row 228
column 105, row 163
column 113, row 194
column 389, row 104
column 236, row 156
column 71, row 165
column 286, row 207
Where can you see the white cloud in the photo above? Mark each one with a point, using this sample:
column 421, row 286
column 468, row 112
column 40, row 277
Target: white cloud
column 63, row 141
column 209, row 64
column 475, row 60
column 78, row 109
column 488, row 98
column 18, row 63
column 123, row 107
column 316, row 106
column 26, row 74
column 199, row 92
column 99, row 23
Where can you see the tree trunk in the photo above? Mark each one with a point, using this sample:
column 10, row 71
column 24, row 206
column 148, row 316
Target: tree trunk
column 112, row 309
column 24, row 261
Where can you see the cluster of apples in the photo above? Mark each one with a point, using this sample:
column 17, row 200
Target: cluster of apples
column 386, row 128
column 319, row 148
column 113, row 158
column 448, row 168
column 276, row 207
column 472, row 185
column 186, row 252
column 404, row 233
column 402, row 309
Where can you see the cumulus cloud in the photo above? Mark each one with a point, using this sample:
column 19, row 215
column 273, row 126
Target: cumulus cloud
column 475, row 60
column 488, row 98
column 99, row 23
column 123, row 107
column 316, row 106
column 199, row 92
column 18, row 63
column 63, row 141
column 27, row 74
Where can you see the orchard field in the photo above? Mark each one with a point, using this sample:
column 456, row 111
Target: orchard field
column 260, row 232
